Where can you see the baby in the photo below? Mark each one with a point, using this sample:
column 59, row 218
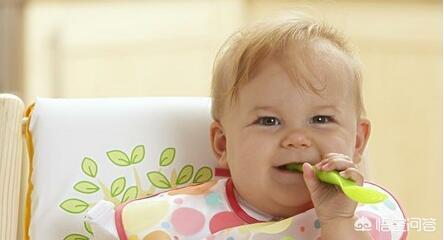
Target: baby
column 284, row 91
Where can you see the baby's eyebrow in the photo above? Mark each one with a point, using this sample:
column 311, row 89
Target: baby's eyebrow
column 329, row 107
column 266, row 108
column 332, row 107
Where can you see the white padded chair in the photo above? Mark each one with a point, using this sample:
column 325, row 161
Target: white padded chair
column 85, row 150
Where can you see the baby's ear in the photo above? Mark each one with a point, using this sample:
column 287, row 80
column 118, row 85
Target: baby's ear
column 219, row 143
column 362, row 135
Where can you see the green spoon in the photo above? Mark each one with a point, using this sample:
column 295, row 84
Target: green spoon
column 350, row 188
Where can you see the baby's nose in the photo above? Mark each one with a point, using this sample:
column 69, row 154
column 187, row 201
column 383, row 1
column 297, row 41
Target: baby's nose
column 296, row 139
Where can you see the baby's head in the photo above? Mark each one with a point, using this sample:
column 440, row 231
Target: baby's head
column 286, row 90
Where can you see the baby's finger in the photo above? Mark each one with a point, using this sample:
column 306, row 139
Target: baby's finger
column 337, row 164
column 321, row 163
column 311, row 181
column 353, row 174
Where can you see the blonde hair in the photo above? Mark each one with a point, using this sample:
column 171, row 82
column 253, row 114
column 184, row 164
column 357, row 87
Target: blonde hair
column 240, row 55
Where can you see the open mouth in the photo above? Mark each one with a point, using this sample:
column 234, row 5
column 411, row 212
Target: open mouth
column 291, row 167
column 287, row 174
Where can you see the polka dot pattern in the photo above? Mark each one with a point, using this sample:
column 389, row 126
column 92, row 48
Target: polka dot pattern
column 317, row 224
column 224, row 220
column 213, row 199
column 287, row 238
column 157, row 235
column 390, row 205
column 178, row 201
column 187, row 221
column 194, row 216
column 302, row 229
column 165, row 225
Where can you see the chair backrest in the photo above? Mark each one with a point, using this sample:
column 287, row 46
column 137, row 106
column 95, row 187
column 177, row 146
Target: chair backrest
column 85, row 150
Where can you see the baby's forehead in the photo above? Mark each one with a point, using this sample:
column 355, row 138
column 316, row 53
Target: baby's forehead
column 317, row 60
column 317, row 67
column 319, row 73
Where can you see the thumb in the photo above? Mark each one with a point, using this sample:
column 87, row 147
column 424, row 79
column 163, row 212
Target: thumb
column 310, row 178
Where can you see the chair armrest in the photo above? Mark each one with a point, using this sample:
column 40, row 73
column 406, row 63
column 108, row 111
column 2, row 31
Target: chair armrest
column 11, row 155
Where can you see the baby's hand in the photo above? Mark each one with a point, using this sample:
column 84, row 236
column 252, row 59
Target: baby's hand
column 329, row 201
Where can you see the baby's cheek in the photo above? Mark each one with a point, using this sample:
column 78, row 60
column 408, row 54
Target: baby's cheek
column 337, row 144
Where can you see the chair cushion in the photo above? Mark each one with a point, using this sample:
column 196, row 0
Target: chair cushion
column 116, row 149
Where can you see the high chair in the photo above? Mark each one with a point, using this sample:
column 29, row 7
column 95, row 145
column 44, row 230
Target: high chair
column 59, row 157
column 84, row 150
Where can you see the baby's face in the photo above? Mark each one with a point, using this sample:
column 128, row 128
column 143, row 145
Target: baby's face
column 274, row 123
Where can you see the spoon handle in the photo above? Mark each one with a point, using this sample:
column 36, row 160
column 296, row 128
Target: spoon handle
column 350, row 188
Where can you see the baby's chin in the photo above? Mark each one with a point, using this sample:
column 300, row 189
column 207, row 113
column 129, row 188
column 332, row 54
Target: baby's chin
column 290, row 203
column 290, row 211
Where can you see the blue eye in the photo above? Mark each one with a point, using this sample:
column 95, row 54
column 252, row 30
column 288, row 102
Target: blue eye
column 322, row 119
column 268, row 121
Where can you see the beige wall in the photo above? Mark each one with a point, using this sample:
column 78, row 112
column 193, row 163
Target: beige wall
column 152, row 48
column 140, row 48
column 11, row 50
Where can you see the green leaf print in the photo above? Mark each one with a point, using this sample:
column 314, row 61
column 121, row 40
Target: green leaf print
column 158, row 180
column 86, row 187
column 119, row 158
column 130, row 194
column 118, row 186
column 185, row 174
column 204, row 174
column 89, row 167
column 87, row 227
column 76, row 236
column 74, row 205
column 167, row 157
column 137, row 154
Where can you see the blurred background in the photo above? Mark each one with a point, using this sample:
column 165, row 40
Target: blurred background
column 133, row 48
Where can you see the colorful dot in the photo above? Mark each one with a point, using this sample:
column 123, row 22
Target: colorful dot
column 157, row 235
column 224, row 220
column 133, row 237
column 165, row 225
column 287, row 238
column 133, row 214
column 178, row 201
column 317, row 224
column 213, row 199
column 187, row 221
column 388, row 203
column 302, row 229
